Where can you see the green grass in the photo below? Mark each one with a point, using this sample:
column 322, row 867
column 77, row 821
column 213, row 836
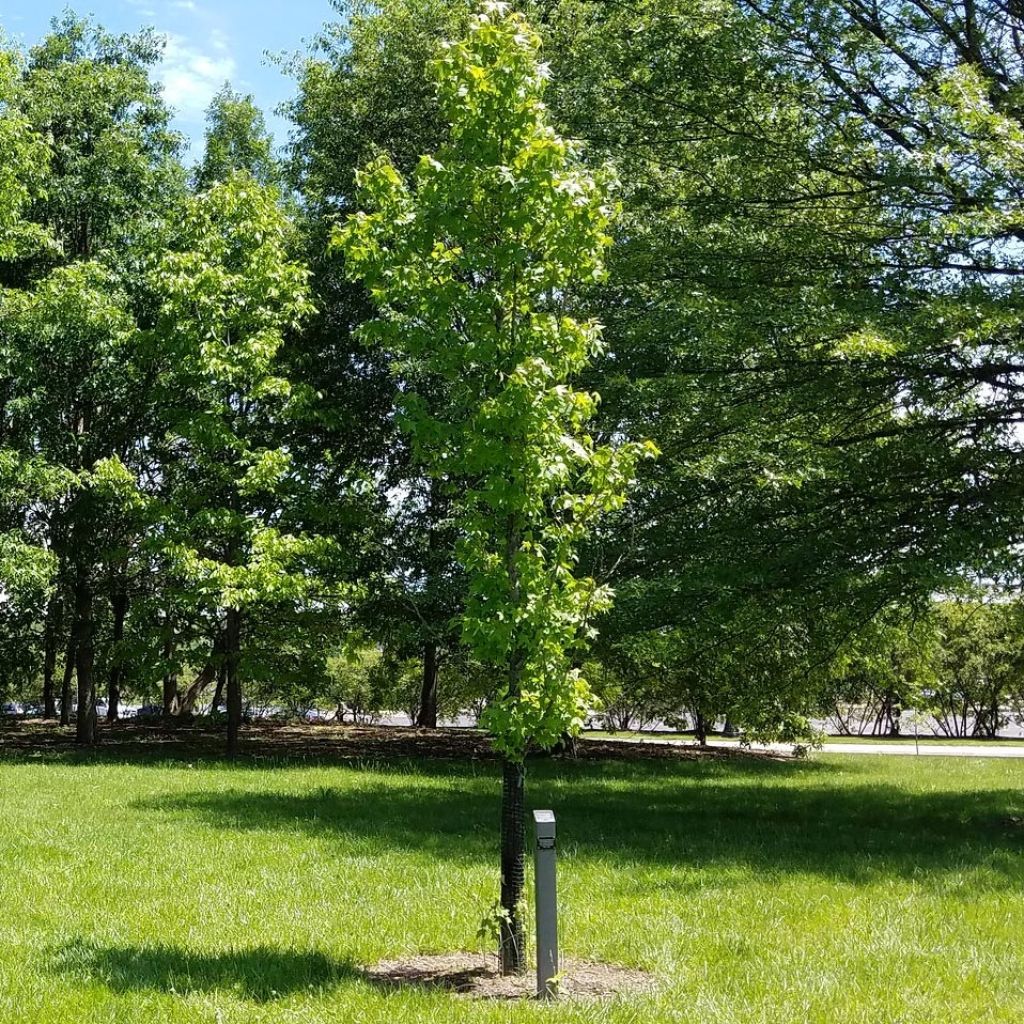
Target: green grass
column 835, row 890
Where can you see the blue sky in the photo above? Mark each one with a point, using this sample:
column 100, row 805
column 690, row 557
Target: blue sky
column 208, row 42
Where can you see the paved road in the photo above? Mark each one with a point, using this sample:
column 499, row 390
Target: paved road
column 929, row 749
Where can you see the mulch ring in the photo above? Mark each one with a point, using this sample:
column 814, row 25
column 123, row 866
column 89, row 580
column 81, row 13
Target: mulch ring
column 476, row 976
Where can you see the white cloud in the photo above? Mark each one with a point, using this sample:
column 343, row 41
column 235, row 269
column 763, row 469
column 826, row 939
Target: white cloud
column 191, row 77
column 184, row 5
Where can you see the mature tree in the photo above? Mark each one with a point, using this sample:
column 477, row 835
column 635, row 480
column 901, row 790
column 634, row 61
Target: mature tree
column 191, row 631
column 814, row 306
column 886, row 669
column 361, row 91
column 99, row 387
column 80, row 393
column 919, row 118
column 26, row 567
column 979, row 665
column 228, row 292
column 709, row 340
column 467, row 266
column 82, row 369
column 236, row 140
column 23, row 162
column 113, row 166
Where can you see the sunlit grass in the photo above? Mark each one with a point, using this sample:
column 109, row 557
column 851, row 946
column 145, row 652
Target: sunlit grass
column 875, row 890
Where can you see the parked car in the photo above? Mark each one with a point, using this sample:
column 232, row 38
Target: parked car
column 9, row 710
column 32, row 710
column 150, row 712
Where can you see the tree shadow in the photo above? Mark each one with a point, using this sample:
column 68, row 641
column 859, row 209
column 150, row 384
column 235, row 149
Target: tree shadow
column 681, row 816
column 259, row 973
column 263, row 747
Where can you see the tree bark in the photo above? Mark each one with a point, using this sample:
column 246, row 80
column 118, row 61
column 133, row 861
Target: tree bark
column 65, row 683
column 426, row 718
column 119, row 608
column 85, row 723
column 700, row 729
column 202, row 680
column 512, row 945
column 218, row 693
column 54, row 622
column 232, row 647
column 512, row 937
column 170, row 692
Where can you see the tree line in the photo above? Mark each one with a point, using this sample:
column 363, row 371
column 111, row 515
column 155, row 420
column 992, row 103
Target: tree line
column 211, row 492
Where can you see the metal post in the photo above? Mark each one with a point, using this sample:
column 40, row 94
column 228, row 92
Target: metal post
column 546, row 904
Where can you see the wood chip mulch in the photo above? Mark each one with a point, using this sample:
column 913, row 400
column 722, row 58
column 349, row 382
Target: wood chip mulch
column 476, row 976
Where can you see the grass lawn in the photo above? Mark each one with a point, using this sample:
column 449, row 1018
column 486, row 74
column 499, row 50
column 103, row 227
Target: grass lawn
column 835, row 890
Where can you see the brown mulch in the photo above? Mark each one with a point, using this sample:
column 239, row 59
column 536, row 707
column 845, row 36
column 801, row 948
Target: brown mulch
column 476, row 976
column 262, row 740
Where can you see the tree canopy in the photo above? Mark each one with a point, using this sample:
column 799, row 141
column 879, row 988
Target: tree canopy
column 797, row 226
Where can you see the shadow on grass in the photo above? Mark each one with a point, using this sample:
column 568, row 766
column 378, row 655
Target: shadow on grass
column 265, row 747
column 693, row 816
column 260, row 973
column 263, row 974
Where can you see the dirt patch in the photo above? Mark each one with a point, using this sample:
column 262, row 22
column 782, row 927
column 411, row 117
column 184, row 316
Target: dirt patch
column 475, row 976
column 328, row 742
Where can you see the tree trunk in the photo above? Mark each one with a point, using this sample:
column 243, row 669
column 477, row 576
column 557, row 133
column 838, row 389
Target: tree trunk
column 232, row 646
column 54, row 622
column 202, row 680
column 65, row 683
column 170, row 694
column 700, row 729
column 895, row 713
column 218, row 693
column 512, row 946
column 426, row 718
column 512, row 934
column 119, row 608
column 85, row 723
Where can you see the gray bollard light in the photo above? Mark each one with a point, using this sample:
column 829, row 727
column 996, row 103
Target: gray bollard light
column 546, row 904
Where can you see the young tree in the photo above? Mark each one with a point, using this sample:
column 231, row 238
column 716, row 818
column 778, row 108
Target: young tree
column 468, row 267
